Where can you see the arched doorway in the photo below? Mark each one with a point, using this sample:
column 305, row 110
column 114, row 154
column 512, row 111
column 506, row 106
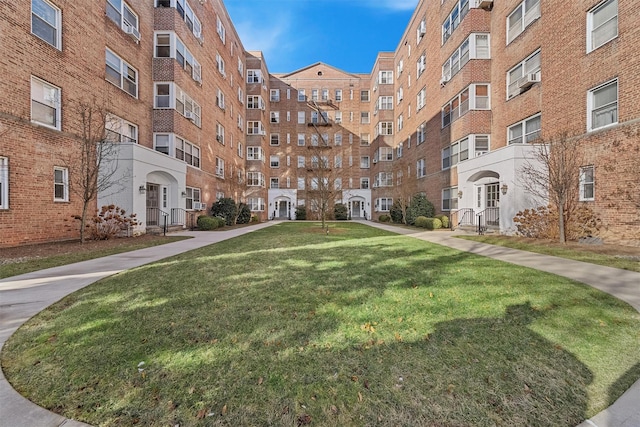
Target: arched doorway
column 357, row 208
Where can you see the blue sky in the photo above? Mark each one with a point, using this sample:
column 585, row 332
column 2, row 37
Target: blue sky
column 296, row 33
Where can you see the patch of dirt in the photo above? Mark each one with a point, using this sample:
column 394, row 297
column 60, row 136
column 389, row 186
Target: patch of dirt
column 43, row 250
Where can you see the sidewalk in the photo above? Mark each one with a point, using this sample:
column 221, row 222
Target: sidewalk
column 23, row 296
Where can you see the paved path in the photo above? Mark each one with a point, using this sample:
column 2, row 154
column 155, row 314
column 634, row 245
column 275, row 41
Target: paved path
column 23, row 296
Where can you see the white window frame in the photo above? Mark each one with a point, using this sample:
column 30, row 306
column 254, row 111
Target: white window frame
column 587, row 181
column 124, row 23
column 123, row 70
column 465, row 101
column 274, row 162
column 383, row 204
column 255, row 179
column 301, row 139
column 63, row 182
column 385, row 77
column 4, row 183
column 421, row 168
column 455, row 17
column 449, row 199
column 48, row 15
column 256, row 204
column 255, row 153
column 222, row 32
column 591, row 30
column 220, row 167
column 606, row 108
column 526, row 135
column 527, row 12
column 123, row 130
column 47, row 96
column 186, row 151
column 523, row 70
column 274, row 95
column 254, row 76
column 193, row 196
column 365, row 96
column 467, row 50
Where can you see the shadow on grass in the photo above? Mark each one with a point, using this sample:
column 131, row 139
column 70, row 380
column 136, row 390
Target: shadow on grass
column 623, row 383
column 384, row 330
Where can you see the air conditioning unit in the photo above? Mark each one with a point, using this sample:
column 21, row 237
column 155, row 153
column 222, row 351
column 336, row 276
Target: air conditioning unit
column 219, row 138
column 189, row 115
column 262, row 132
column 133, row 32
column 444, row 80
column 528, row 80
column 485, row 4
column 375, row 161
column 197, row 206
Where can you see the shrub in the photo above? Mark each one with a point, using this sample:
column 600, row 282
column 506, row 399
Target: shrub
column 437, row 223
column 445, row 221
column 384, row 218
column 254, row 218
column 225, row 208
column 421, row 221
column 244, row 215
column 542, row 223
column 206, row 223
column 109, row 222
column 301, row 213
column 396, row 212
column 419, row 206
column 340, row 211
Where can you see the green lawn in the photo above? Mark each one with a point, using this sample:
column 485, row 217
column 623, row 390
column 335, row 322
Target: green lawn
column 289, row 326
column 585, row 253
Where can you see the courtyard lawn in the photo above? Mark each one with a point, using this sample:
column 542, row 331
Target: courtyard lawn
column 290, row 326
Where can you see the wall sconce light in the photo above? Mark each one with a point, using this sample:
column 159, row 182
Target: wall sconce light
column 504, row 189
column 183, row 194
column 142, row 189
column 460, row 194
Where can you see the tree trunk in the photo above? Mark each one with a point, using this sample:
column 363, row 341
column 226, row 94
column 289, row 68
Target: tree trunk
column 561, row 230
column 83, row 221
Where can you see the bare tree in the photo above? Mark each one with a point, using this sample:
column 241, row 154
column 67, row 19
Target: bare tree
column 553, row 173
column 404, row 189
column 93, row 164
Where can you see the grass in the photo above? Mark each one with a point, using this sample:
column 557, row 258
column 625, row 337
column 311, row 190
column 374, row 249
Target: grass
column 79, row 253
column 289, row 326
column 585, row 253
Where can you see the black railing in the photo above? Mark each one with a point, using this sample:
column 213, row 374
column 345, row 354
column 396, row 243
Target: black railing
column 490, row 217
column 460, row 217
column 158, row 218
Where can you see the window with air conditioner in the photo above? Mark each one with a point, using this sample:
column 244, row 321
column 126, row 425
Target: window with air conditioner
column 524, row 75
column 124, row 16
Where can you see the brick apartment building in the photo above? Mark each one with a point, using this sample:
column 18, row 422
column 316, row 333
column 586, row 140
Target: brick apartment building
column 451, row 113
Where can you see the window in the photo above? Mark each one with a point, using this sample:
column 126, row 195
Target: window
column 476, row 46
column 421, row 65
column 338, row 95
column 274, row 95
column 274, row 117
column 338, row 119
column 364, row 117
column 337, row 139
column 420, row 32
column 256, row 204
column 602, row 103
column 325, row 94
column 254, row 76
column 399, row 150
column 364, row 162
column 384, row 179
column 255, row 128
column 364, row 96
column 122, row 14
column 193, row 196
column 221, row 65
column 421, row 134
column 219, row 167
column 455, row 153
column 452, row 22
column 301, row 184
column 385, row 102
column 450, row 198
column 385, row 154
column 421, row 99
column 385, row 77
column 186, row 106
column 222, row 32
column 46, row 22
column 383, row 204
column 364, row 183
column 474, row 97
column 301, row 161
column 587, row 183
column 185, row 12
column 526, row 131
column 255, row 102
column 60, row 184
column 602, row 24
column 239, row 150
column 162, row 143
column 120, row 130
column 255, row 153
column 45, row 104
column 523, row 75
column 301, row 139
column 337, row 161
column 220, row 99
column 314, row 94
column 421, row 168
column 121, row 74
column 187, row 152
column 220, row 133
column 385, row 128
column 481, row 145
column 275, row 139
column 274, row 183
column 274, row 162
column 364, row 139
column 168, row 45
column 255, row 179
column 301, row 95
column 4, row 183
column 521, row 17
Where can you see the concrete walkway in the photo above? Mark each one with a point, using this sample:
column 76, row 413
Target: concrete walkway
column 23, row 296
